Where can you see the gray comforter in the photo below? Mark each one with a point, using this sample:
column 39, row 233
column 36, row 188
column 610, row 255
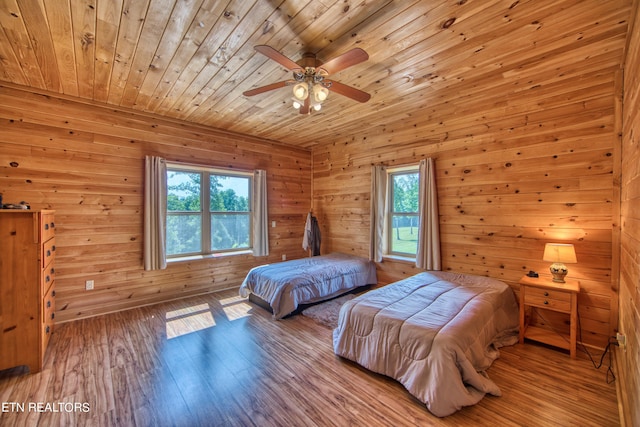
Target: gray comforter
column 436, row 333
column 286, row 285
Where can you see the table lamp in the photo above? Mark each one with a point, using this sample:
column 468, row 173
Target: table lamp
column 559, row 253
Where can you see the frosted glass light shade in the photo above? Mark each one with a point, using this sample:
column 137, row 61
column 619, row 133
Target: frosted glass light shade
column 300, row 91
column 320, row 93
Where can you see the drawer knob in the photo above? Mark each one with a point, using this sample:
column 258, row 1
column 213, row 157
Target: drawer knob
column 47, row 279
column 53, row 315
column 48, row 304
column 53, row 225
column 53, row 293
column 46, row 226
column 48, row 252
column 546, row 302
column 53, row 248
column 48, row 329
column 546, row 294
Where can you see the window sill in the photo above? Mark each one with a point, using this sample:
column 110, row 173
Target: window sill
column 208, row 256
column 397, row 258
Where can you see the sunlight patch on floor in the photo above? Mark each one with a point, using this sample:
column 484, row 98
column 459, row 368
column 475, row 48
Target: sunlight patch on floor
column 189, row 319
column 235, row 307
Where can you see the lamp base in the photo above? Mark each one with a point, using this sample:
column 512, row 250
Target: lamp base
column 558, row 271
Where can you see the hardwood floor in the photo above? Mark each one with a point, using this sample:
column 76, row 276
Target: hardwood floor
column 238, row 367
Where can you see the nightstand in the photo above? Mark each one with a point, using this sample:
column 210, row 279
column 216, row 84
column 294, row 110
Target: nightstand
column 546, row 294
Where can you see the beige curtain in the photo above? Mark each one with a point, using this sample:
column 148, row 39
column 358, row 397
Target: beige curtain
column 378, row 199
column 155, row 213
column 260, row 215
column 428, row 256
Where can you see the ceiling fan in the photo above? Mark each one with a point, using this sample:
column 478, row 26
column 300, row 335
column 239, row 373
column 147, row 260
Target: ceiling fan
column 310, row 84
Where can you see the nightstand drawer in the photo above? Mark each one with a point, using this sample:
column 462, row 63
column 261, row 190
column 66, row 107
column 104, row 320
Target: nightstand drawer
column 545, row 298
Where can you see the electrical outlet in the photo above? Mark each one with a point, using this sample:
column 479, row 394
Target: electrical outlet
column 622, row 340
column 284, row 257
column 88, row 285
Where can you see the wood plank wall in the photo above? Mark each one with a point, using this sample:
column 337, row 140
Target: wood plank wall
column 526, row 154
column 87, row 163
column 628, row 362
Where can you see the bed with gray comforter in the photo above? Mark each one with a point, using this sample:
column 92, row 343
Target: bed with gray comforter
column 286, row 285
column 436, row 333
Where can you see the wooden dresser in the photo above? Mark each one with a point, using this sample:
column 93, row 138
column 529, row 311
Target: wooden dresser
column 27, row 286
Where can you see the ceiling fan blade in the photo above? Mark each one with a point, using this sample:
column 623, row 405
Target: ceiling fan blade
column 304, row 108
column 348, row 91
column 271, row 53
column 267, row 88
column 347, row 59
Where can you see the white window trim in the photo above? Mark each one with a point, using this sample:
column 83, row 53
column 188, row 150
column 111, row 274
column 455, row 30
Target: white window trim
column 387, row 253
column 206, row 217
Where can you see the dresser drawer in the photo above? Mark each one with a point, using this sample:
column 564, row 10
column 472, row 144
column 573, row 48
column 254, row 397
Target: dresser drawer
column 47, row 331
column 47, row 226
column 49, row 306
column 48, row 317
column 48, row 276
column 48, row 252
column 551, row 299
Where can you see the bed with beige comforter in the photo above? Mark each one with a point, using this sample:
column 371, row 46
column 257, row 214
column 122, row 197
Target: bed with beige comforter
column 436, row 333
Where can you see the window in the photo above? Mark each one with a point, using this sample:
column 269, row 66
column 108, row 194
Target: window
column 403, row 212
column 208, row 211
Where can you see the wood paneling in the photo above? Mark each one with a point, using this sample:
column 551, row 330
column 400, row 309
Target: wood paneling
column 525, row 154
column 86, row 162
column 193, row 59
column 628, row 361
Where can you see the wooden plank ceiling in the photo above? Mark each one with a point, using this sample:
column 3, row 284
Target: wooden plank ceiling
column 193, row 59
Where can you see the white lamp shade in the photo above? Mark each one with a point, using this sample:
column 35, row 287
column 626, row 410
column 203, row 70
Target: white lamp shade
column 560, row 252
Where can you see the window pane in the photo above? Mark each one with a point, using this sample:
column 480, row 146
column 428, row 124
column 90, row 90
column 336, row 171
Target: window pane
column 184, row 234
column 183, row 191
column 229, row 193
column 230, row 231
column 404, row 234
column 204, row 220
column 405, row 192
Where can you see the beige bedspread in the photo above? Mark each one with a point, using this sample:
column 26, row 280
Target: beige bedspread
column 436, row 333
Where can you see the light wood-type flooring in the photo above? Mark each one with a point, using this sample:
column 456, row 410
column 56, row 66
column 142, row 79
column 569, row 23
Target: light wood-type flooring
column 218, row 360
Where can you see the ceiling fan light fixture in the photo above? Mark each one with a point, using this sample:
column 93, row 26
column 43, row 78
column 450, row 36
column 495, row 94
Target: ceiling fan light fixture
column 310, row 84
column 320, row 93
column 300, row 91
